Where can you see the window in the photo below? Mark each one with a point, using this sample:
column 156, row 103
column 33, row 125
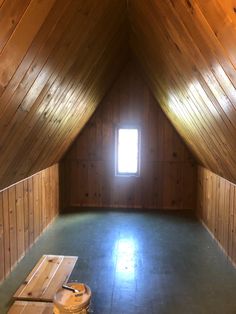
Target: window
column 127, row 151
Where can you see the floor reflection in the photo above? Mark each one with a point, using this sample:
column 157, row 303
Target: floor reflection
column 125, row 257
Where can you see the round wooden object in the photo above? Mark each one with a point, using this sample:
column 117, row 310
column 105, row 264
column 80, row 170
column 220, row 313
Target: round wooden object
column 66, row 301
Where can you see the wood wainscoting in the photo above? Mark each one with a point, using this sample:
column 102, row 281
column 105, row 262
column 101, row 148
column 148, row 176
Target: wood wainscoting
column 26, row 209
column 168, row 173
column 216, row 209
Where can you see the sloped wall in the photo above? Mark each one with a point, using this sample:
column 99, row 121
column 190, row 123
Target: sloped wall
column 216, row 207
column 26, row 209
column 57, row 60
column 168, row 173
column 187, row 49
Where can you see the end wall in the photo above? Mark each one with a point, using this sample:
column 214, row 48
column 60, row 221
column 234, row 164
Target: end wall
column 168, row 172
column 26, row 209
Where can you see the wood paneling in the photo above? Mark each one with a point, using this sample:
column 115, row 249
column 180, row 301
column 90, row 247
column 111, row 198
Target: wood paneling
column 25, row 211
column 24, row 307
column 46, row 278
column 217, row 209
column 167, row 177
column 187, row 52
column 57, row 60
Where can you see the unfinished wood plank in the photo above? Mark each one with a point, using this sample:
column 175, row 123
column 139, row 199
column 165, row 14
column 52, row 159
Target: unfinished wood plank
column 26, row 307
column 40, row 279
column 46, row 278
column 62, row 275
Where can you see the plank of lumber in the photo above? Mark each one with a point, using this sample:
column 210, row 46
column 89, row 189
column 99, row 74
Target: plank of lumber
column 23, row 307
column 46, row 278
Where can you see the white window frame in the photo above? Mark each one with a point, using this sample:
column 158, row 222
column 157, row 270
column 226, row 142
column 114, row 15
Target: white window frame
column 127, row 174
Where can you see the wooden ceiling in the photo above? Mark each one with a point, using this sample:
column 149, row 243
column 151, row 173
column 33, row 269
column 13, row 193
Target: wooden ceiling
column 187, row 50
column 58, row 58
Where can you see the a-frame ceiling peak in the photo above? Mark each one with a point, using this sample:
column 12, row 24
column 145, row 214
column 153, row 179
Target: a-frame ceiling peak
column 58, row 59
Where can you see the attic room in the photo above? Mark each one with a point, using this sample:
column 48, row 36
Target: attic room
column 118, row 156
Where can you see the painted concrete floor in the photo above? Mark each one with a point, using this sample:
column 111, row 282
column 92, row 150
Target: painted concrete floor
column 145, row 263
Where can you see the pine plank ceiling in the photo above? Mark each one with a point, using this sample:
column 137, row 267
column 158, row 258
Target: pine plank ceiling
column 58, row 58
column 187, row 50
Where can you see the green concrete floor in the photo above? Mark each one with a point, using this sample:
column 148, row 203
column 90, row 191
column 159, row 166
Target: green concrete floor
column 145, row 263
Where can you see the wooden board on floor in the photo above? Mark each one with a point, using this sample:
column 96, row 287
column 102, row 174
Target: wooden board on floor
column 23, row 307
column 46, row 278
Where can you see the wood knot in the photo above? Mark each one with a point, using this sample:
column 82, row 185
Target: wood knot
column 189, row 4
column 177, row 47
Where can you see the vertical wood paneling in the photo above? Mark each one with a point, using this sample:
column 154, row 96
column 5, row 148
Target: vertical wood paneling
column 20, row 215
column 2, row 270
column 6, row 232
column 12, row 225
column 26, row 208
column 31, row 211
column 168, row 174
column 26, row 212
column 217, row 209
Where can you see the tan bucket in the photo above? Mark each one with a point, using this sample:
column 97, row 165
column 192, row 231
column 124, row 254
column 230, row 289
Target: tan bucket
column 66, row 301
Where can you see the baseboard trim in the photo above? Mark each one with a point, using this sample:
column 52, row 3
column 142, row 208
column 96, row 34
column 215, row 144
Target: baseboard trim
column 217, row 241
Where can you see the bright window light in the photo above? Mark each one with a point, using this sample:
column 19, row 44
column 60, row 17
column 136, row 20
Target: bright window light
column 127, row 151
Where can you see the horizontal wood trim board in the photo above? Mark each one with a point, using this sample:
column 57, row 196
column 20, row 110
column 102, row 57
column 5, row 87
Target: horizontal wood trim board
column 94, row 206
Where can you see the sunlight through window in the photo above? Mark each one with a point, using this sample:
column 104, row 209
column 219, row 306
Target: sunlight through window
column 127, row 151
column 125, row 254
